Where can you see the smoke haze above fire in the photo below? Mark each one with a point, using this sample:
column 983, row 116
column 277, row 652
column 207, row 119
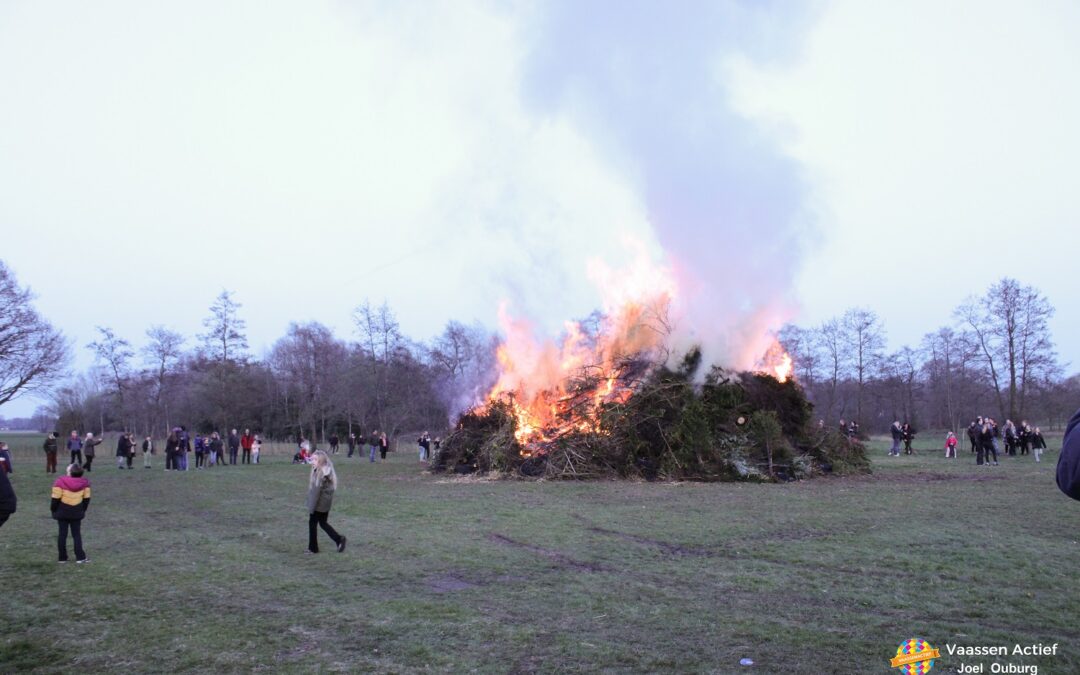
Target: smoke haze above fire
column 446, row 157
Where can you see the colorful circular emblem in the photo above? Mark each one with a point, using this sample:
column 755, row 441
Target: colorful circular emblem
column 914, row 657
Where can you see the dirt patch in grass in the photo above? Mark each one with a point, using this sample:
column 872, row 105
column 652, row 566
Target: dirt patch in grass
column 448, row 583
column 668, row 548
column 561, row 560
column 930, row 477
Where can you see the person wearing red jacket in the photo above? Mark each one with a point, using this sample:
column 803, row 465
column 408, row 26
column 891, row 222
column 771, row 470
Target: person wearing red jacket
column 246, row 441
column 70, row 499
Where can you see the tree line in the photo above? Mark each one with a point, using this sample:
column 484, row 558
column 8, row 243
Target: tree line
column 997, row 358
column 311, row 384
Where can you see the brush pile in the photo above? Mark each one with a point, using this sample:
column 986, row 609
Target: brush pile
column 670, row 426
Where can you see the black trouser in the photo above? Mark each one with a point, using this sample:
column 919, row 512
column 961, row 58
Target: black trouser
column 76, row 456
column 50, row 462
column 170, row 460
column 232, row 455
column 200, row 459
column 129, row 458
column 88, row 462
column 352, row 449
column 246, row 458
column 319, row 518
column 382, row 452
column 76, row 536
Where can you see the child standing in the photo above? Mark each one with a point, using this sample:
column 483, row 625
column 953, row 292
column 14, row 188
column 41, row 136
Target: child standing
column 70, row 499
column 950, row 445
column 256, row 448
column 147, row 451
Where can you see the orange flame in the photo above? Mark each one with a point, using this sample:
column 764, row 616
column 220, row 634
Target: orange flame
column 560, row 386
column 777, row 362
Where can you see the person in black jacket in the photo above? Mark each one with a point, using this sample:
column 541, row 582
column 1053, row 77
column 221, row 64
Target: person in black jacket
column 50, row 447
column 123, row 450
column 1068, row 467
column 70, row 499
column 7, row 498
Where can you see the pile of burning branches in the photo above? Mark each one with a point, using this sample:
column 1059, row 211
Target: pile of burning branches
column 641, row 419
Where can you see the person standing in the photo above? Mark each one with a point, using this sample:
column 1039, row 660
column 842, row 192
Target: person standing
column 216, row 446
column 320, row 497
column 202, row 448
column 425, row 444
column 897, row 435
column 70, row 500
column 373, row 444
column 74, row 446
column 50, row 453
column 334, row 442
column 352, row 443
column 908, row 434
column 147, row 451
column 950, row 446
column 172, row 447
column 8, row 502
column 973, row 433
column 384, row 445
column 986, row 445
column 183, row 449
column 256, row 449
column 234, row 442
column 88, row 449
column 1038, row 443
column 123, row 449
column 246, row 441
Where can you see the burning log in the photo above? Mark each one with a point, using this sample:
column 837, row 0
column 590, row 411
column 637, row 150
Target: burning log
column 637, row 418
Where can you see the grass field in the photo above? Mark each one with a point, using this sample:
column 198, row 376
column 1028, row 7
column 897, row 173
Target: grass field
column 205, row 571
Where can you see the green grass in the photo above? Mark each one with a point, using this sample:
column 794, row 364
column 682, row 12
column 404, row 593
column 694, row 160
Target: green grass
column 205, row 571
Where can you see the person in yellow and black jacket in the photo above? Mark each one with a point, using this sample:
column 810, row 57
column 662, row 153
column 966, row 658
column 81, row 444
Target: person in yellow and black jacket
column 70, row 499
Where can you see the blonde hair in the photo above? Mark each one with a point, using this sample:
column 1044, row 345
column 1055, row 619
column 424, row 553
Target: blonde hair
column 322, row 467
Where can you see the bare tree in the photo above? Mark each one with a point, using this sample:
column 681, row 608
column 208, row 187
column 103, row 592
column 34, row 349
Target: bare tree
column 114, row 353
column 33, row 354
column 310, row 360
column 831, row 340
column 865, row 339
column 224, row 339
column 1010, row 326
column 162, row 354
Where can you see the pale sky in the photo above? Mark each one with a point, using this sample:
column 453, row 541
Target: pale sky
column 790, row 161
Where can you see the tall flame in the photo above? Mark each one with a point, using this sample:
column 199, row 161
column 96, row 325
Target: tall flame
column 554, row 387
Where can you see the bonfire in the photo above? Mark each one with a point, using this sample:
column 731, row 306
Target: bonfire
column 611, row 400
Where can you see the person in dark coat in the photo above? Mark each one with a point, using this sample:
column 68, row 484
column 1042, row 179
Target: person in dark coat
column 74, row 446
column 70, row 499
column 88, row 449
column 50, row 447
column 8, row 501
column 352, row 444
column 123, row 450
column 172, row 450
column 1068, row 467
column 973, row 434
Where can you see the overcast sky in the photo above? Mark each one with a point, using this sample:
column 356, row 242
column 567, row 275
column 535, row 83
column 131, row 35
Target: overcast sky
column 787, row 161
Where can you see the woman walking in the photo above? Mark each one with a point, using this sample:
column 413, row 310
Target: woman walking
column 320, row 497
